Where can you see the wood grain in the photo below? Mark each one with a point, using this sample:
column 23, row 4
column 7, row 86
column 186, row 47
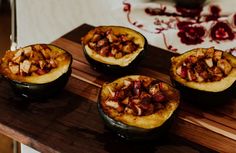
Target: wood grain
column 221, row 126
column 69, row 122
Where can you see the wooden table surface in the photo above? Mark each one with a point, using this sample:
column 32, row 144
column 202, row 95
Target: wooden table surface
column 69, row 122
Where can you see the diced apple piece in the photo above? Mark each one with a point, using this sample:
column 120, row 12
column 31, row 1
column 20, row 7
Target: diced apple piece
column 18, row 53
column 112, row 104
column 14, row 68
column 17, row 59
column 224, row 65
column 209, row 62
column 112, row 93
column 25, row 66
column 182, row 71
column 217, row 55
column 199, row 78
column 28, row 51
column 127, row 83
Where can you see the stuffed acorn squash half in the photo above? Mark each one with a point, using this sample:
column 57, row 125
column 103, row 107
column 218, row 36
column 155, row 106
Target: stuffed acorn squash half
column 137, row 107
column 114, row 48
column 36, row 71
column 206, row 75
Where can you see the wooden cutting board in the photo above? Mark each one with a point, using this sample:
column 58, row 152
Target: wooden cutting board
column 69, row 122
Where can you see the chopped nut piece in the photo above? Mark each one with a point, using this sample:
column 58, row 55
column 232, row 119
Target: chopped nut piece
column 95, row 38
column 204, row 75
column 33, row 68
column 129, row 110
column 40, row 72
column 125, row 101
column 210, row 52
column 102, row 42
column 42, row 64
column 38, row 47
column 92, row 45
column 124, row 38
column 192, row 59
column 112, row 38
column 114, row 51
column 217, row 72
column 163, row 86
column 128, row 48
column 53, row 63
column 104, row 51
column 159, row 97
column 118, row 55
column 154, row 89
column 191, row 75
column 217, row 55
column 46, row 53
column 139, row 110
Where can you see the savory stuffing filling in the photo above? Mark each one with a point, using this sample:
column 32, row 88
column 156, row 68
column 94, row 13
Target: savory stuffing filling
column 206, row 66
column 30, row 61
column 108, row 44
column 139, row 97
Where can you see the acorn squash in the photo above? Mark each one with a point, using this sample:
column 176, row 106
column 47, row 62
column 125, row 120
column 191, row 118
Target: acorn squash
column 137, row 107
column 114, row 48
column 36, row 71
column 204, row 75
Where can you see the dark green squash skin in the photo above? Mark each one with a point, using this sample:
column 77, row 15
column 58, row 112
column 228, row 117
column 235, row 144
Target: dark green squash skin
column 41, row 91
column 116, row 69
column 131, row 133
column 205, row 99
column 38, row 91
